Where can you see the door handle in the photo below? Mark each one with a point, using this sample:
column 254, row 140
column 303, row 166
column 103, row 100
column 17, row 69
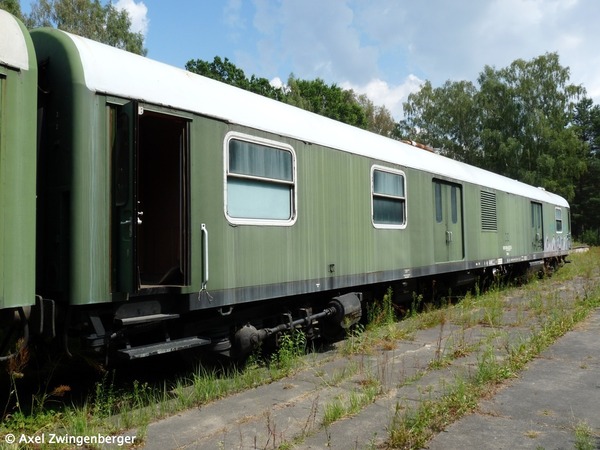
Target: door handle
column 448, row 237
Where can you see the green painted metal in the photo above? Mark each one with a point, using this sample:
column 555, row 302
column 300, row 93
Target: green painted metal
column 330, row 244
column 75, row 193
column 447, row 222
column 18, row 114
column 334, row 237
column 125, row 198
column 537, row 228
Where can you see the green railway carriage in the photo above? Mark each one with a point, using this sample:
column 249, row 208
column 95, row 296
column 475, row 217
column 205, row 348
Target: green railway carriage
column 173, row 201
column 18, row 116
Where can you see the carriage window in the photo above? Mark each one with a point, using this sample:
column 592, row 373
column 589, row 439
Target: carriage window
column 558, row 216
column 389, row 198
column 260, row 182
column 439, row 213
column 454, row 204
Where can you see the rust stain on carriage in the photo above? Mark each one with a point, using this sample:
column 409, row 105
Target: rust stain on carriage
column 419, row 145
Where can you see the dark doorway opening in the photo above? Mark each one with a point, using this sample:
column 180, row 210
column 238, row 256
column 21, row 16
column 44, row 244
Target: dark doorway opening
column 162, row 200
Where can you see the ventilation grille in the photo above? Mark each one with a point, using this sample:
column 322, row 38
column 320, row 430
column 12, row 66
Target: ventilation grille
column 489, row 219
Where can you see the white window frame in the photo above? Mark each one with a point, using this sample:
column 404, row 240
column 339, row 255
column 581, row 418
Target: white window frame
column 294, row 183
column 404, row 199
column 558, row 219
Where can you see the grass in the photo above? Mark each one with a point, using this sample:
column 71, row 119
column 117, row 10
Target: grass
column 584, row 437
column 413, row 428
column 349, row 404
column 109, row 410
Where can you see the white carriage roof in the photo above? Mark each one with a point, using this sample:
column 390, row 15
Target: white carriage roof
column 116, row 72
column 13, row 47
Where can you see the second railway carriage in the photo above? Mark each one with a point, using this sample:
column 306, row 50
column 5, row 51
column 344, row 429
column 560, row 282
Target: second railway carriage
column 18, row 116
column 177, row 211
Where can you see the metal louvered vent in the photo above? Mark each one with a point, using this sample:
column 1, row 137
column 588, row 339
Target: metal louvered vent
column 489, row 218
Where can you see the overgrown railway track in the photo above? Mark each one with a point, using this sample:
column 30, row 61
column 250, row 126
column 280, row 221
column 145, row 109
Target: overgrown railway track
column 394, row 384
column 395, row 387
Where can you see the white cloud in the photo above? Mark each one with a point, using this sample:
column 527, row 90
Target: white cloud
column 511, row 29
column 138, row 13
column 385, row 48
column 234, row 19
column 277, row 83
column 381, row 93
column 313, row 38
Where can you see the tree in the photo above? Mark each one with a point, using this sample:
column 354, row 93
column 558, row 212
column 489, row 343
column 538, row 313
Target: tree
column 227, row 72
column 587, row 125
column 13, row 7
column 220, row 69
column 445, row 118
column 526, row 123
column 518, row 122
column 586, row 204
column 379, row 118
column 327, row 100
column 88, row 18
column 316, row 96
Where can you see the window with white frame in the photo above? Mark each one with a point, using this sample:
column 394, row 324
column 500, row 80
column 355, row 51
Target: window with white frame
column 389, row 198
column 558, row 217
column 260, row 181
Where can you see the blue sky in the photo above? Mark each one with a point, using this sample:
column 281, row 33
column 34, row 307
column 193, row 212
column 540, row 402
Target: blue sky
column 384, row 48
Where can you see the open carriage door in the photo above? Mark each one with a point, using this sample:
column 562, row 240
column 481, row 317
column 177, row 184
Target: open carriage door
column 151, row 199
column 162, row 200
column 124, row 124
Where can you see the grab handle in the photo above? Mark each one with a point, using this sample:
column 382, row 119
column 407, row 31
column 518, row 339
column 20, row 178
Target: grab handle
column 204, row 232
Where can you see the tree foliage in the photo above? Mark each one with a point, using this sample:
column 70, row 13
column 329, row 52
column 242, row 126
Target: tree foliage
column 227, row 72
column 327, row 100
column 518, row 122
column 445, row 118
column 88, row 18
column 379, row 118
column 527, row 129
column 13, row 7
column 313, row 95
column 586, row 204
